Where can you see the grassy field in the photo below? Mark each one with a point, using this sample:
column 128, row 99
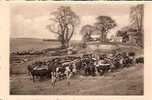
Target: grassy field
column 128, row 81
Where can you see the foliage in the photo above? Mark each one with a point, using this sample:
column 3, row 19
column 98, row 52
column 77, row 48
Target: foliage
column 124, row 35
column 87, row 31
column 104, row 24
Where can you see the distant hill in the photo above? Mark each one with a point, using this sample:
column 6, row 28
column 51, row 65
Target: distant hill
column 50, row 40
column 31, row 43
column 36, row 39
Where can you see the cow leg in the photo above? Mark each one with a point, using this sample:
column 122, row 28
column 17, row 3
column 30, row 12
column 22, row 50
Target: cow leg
column 53, row 82
column 93, row 71
column 85, row 71
column 33, row 78
column 30, row 75
column 40, row 78
column 102, row 71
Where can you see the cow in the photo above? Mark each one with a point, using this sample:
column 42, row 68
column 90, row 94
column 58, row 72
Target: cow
column 69, row 74
column 60, row 72
column 103, row 68
column 39, row 72
column 139, row 60
column 52, row 66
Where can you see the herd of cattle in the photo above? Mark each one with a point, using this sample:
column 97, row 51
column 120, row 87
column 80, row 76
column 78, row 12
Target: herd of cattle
column 87, row 64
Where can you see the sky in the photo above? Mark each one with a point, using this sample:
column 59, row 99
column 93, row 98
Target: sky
column 29, row 20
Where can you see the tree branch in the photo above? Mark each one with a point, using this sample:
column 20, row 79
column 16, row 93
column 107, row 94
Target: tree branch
column 71, row 32
column 57, row 32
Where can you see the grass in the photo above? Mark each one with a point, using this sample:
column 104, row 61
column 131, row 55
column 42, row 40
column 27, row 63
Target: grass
column 128, row 81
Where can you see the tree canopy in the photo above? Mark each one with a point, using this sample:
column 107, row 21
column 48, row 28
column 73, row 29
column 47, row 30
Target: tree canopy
column 65, row 21
column 104, row 24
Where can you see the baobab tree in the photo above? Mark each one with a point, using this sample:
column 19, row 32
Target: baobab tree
column 104, row 24
column 64, row 23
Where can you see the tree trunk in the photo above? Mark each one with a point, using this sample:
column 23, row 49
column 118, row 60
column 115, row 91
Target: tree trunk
column 64, row 44
column 101, row 37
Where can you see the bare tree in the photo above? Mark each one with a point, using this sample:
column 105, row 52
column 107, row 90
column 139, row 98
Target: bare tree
column 136, row 16
column 136, row 20
column 104, row 24
column 65, row 21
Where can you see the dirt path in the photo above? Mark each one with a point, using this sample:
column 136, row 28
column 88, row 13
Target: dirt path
column 127, row 81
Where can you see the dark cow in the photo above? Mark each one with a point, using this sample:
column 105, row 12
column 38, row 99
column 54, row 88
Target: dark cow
column 140, row 60
column 39, row 72
column 103, row 68
column 131, row 54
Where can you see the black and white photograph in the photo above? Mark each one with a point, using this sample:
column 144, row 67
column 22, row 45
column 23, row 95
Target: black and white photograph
column 76, row 49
